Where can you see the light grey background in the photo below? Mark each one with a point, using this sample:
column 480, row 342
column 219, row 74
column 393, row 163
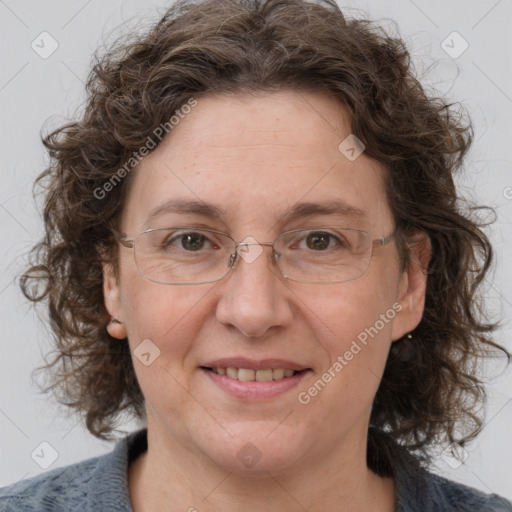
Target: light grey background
column 34, row 90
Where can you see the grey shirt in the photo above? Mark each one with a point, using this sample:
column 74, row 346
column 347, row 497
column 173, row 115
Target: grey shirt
column 101, row 484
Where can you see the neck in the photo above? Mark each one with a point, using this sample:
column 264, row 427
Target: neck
column 172, row 476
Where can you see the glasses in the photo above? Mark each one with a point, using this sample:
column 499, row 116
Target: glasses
column 186, row 255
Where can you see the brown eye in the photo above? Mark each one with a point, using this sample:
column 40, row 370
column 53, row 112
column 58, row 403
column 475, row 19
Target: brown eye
column 319, row 240
column 193, row 241
column 189, row 241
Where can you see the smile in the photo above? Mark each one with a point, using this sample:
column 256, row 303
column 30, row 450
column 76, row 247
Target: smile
column 245, row 384
column 247, row 375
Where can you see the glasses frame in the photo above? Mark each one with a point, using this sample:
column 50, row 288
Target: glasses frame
column 130, row 244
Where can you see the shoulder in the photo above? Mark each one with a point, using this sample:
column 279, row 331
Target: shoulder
column 420, row 489
column 455, row 496
column 99, row 483
column 54, row 490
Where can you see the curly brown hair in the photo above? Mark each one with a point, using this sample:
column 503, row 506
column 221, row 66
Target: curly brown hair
column 431, row 389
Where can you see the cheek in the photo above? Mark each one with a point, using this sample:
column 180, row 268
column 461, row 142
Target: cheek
column 163, row 323
column 353, row 324
column 166, row 315
column 356, row 345
column 345, row 312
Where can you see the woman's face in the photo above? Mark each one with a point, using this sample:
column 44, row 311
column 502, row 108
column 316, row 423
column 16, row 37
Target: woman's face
column 255, row 158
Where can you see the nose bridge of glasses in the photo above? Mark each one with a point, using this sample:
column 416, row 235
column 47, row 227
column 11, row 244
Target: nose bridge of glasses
column 238, row 244
column 236, row 253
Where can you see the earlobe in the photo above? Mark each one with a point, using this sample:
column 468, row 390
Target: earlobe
column 112, row 302
column 116, row 329
column 413, row 287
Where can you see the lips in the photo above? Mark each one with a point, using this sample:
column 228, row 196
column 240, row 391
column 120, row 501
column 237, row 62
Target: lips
column 250, row 390
column 249, row 379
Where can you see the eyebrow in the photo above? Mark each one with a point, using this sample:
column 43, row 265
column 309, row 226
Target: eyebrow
column 297, row 211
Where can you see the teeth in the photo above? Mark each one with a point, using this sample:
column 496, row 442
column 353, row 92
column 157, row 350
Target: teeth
column 232, row 373
column 262, row 375
column 278, row 373
column 247, row 375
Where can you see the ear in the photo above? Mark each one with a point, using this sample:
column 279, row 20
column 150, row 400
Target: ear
column 412, row 287
column 111, row 292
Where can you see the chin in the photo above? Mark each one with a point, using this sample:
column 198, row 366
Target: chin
column 253, row 454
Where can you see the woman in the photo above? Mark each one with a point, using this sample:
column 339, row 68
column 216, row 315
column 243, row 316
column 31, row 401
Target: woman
column 254, row 244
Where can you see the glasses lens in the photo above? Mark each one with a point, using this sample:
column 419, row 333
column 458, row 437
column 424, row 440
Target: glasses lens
column 324, row 255
column 183, row 255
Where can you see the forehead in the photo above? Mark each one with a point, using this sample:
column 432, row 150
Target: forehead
column 249, row 159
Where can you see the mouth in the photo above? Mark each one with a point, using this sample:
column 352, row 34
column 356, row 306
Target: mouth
column 266, row 379
column 250, row 375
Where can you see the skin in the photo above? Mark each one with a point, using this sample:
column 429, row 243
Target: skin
column 255, row 156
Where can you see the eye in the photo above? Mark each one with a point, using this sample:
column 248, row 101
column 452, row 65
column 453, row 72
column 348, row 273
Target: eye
column 191, row 241
column 321, row 240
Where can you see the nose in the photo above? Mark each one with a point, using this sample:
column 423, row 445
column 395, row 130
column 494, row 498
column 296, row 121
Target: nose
column 254, row 296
